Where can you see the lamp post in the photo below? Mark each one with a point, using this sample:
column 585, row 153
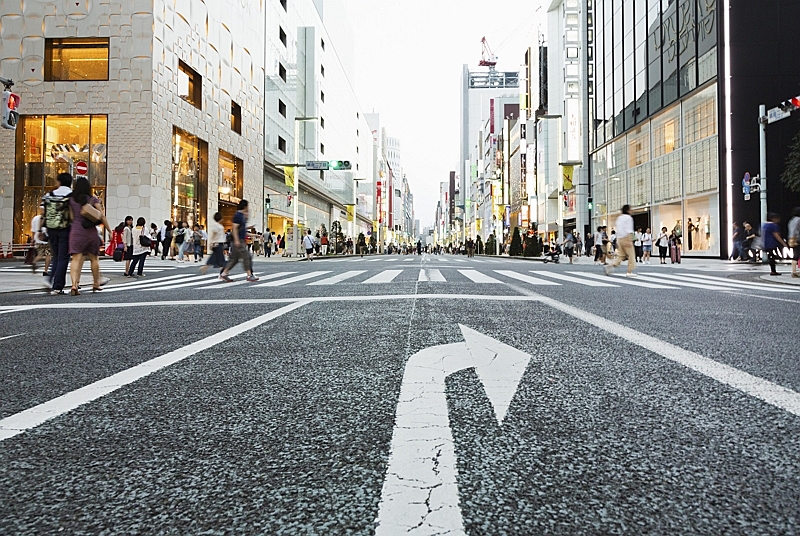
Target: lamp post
column 295, row 233
column 355, row 205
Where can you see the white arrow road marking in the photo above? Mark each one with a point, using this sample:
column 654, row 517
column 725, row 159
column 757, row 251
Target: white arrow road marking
column 420, row 493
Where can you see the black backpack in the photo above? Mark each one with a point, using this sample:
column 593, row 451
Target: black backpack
column 179, row 236
column 56, row 211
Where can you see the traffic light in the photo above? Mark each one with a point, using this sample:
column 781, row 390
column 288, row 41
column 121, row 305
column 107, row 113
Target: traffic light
column 590, row 204
column 10, row 116
column 267, row 202
column 339, row 165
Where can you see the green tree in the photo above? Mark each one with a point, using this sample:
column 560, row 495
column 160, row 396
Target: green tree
column 791, row 176
column 516, row 244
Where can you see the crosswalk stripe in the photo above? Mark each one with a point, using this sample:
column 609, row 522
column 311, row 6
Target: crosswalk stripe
column 375, row 259
column 240, row 279
column 295, row 279
column 184, row 284
column 386, row 276
column 655, row 278
column 160, row 284
column 434, row 276
column 337, row 278
column 631, row 282
column 477, row 277
column 458, row 260
column 527, row 278
column 139, row 283
column 588, row 283
column 408, row 260
column 742, row 284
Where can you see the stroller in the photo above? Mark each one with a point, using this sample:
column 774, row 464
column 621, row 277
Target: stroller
column 552, row 254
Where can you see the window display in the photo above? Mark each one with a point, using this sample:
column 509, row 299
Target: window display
column 190, row 178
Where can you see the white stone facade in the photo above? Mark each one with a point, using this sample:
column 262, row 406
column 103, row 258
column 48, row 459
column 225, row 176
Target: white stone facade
column 221, row 39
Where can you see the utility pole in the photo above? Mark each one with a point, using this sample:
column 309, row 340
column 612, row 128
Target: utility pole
column 295, row 201
column 762, row 168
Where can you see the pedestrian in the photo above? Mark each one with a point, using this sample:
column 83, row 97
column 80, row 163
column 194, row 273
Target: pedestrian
column 624, row 241
column 771, row 232
column 257, row 244
column 216, row 239
column 613, row 240
column 40, row 242
column 269, row 243
column 362, row 243
column 165, row 234
column 282, row 244
column 58, row 221
column 87, row 214
column 239, row 249
column 599, row 258
column 197, row 243
column 308, row 244
column 637, row 244
column 275, row 240
column 323, row 241
column 675, row 247
column 663, row 245
column 569, row 245
column 183, row 239
column 750, row 234
column 647, row 246
column 116, row 247
column 578, row 244
column 794, row 240
column 141, row 248
column 127, row 239
column 737, row 237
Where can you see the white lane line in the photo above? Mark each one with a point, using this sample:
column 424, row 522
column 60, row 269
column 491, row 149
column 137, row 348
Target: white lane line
column 195, row 283
column 458, row 260
column 409, row 259
column 337, row 278
column 765, row 390
column 386, row 276
column 11, row 336
column 527, row 278
column 562, row 277
column 376, row 259
column 631, row 282
column 30, row 418
column 744, row 285
column 656, row 278
column 243, row 281
column 295, row 279
column 477, row 277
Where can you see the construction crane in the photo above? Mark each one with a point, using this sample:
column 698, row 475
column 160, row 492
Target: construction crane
column 488, row 59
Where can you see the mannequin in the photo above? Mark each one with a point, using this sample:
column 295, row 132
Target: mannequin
column 690, row 228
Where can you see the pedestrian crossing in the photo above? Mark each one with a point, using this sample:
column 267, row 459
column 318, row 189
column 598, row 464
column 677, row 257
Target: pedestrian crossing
column 450, row 275
column 107, row 266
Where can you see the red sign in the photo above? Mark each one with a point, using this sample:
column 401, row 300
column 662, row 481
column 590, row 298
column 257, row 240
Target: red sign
column 81, row 168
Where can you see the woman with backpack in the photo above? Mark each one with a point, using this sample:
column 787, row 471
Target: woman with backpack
column 141, row 247
column 87, row 214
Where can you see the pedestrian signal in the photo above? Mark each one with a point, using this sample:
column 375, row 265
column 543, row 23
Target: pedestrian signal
column 10, row 116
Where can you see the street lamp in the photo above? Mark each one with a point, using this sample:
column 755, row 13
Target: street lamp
column 355, row 206
column 295, row 215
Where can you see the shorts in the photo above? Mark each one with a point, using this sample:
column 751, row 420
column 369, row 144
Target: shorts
column 42, row 250
column 647, row 248
column 309, row 251
column 128, row 253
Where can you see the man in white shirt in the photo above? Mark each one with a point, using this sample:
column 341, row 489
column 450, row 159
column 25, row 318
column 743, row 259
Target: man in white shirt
column 625, row 248
column 308, row 243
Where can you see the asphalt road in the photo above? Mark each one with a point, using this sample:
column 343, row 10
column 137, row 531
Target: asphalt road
column 328, row 397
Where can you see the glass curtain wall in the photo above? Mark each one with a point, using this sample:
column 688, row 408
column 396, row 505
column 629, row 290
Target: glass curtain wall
column 53, row 144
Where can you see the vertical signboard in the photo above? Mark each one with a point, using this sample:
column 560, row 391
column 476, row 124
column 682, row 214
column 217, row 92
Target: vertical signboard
column 452, row 195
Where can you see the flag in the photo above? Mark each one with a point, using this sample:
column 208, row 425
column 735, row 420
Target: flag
column 351, row 213
column 569, row 172
column 288, row 176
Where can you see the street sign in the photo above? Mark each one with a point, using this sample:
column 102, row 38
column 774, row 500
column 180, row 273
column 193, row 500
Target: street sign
column 317, row 165
column 81, row 168
column 776, row 114
column 747, row 197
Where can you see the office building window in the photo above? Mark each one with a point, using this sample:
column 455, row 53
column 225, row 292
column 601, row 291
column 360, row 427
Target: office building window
column 322, row 70
column 282, row 35
column 322, row 43
column 666, row 133
column 282, row 108
column 190, row 85
column 322, row 122
column 282, row 72
column 281, row 144
column 76, row 59
column 322, row 96
column 283, row 5
column 700, row 115
column 236, row 118
column 322, row 148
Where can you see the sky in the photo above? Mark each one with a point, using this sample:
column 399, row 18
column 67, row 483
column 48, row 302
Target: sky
column 408, row 60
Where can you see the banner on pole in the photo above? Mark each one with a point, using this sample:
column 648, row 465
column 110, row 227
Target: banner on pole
column 288, row 176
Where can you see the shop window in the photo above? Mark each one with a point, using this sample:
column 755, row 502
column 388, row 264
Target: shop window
column 76, row 59
column 236, row 118
column 639, row 146
column 231, row 184
column 281, row 144
column 282, row 72
column 282, row 108
column 190, row 178
column 49, row 145
column 282, row 35
column 190, row 85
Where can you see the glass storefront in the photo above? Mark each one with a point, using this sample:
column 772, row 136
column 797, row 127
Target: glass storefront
column 190, row 178
column 231, row 185
column 49, row 145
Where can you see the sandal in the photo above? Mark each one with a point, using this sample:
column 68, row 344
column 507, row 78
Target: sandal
column 74, row 292
column 97, row 289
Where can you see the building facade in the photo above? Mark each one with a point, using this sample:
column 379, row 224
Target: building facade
column 159, row 104
column 676, row 91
